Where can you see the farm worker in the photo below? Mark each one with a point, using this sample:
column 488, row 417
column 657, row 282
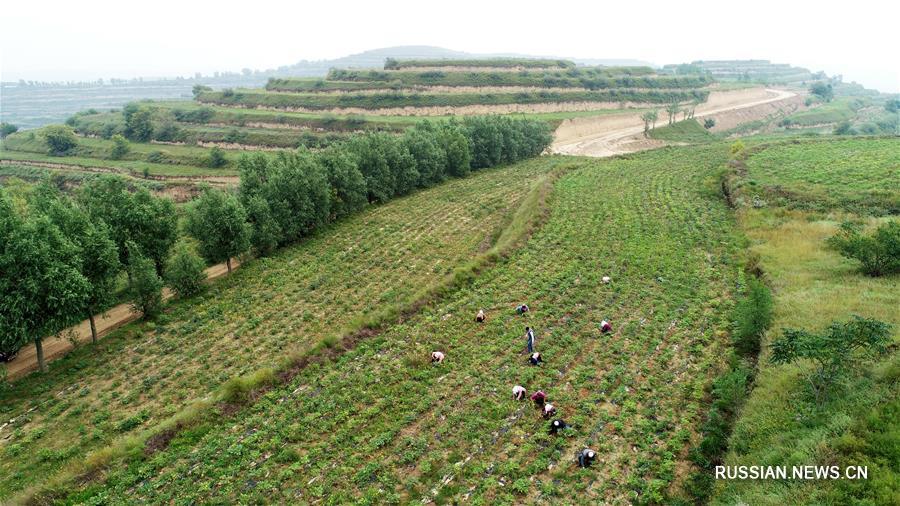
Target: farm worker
column 522, row 309
column 557, row 425
column 549, row 411
column 480, row 316
column 535, row 358
column 518, row 392
column 529, row 339
column 539, row 397
column 606, row 280
column 437, row 357
column 605, row 326
column 586, row 457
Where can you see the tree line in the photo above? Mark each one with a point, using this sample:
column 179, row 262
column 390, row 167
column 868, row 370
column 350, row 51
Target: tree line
column 62, row 256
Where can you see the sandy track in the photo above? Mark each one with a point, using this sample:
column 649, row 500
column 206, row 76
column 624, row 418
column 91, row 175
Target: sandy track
column 56, row 346
column 623, row 133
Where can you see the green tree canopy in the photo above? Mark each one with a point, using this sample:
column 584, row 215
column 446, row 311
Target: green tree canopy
column 219, row 223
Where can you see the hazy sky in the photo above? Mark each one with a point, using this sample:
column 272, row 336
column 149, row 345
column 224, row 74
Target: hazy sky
column 88, row 39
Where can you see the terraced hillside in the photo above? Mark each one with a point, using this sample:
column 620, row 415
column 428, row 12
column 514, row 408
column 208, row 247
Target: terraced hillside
column 461, row 86
column 380, row 424
column 143, row 373
column 757, row 71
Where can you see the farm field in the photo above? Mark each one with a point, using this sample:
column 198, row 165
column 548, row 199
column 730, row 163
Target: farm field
column 144, row 372
column 813, row 286
column 380, row 424
column 832, row 173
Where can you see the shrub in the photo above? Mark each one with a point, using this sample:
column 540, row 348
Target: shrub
column 832, row 351
column 60, row 139
column 138, row 123
column 844, row 128
column 146, row 287
column 216, row 158
column 709, row 123
column 7, row 128
column 156, row 157
column 737, row 149
column 120, row 147
column 879, row 253
column 752, row 316
column 185, row 270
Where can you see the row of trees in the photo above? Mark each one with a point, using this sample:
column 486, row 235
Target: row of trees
column 62, row 257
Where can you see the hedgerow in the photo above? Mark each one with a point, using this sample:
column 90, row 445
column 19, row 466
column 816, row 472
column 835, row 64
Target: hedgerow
column 393, row 63
column 355, row 80
column 314, row 101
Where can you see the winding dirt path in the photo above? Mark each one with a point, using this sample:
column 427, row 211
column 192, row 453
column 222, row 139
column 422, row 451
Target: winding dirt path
column 618, row 134
column 58, row 345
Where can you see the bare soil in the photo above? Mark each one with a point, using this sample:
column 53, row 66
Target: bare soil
column 617, row 134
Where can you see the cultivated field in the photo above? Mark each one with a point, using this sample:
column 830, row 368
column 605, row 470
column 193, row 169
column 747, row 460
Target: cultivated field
column 144, row 372
column 381, row 424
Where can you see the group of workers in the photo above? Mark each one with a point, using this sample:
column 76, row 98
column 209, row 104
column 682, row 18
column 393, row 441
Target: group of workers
column 548, row 411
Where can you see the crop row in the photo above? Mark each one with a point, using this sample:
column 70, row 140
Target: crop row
column 380, row 424
column 312, row 101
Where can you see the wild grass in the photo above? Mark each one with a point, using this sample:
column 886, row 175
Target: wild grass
column 781, row 424
column 689, row 131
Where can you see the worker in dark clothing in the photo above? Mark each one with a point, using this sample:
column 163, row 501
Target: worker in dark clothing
column 586, row 457
column 529, row 339
column 556, row 426
column 480, row 316
column 539, row 398
column 522, row 309
column 605, row 327
column 535, row 359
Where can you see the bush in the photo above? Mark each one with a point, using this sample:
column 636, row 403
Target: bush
column 844, row 128
column 138, row 123
column 709, row 123
column 120, row 147
column 737, row 149
column 879, row 253
column 185, row 270
column 60, row 139
column 752, row 316
column 6, row 129
column 832, row 351
column 216, row 158
column 156, row 157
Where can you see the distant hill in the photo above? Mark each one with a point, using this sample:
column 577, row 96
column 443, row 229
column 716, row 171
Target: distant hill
column 33, row 104
column 375, row 59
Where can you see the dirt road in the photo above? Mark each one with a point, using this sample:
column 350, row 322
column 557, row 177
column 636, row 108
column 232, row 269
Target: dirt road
column 623, row 133
column 56, row 346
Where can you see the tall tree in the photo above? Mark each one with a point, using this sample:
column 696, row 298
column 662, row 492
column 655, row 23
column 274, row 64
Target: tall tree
column 41, row 289
column 97, row 251
column 151, row 222
column 219, row 223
